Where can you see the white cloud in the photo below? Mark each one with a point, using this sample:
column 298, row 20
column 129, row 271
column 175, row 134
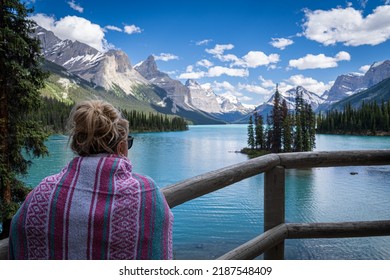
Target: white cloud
column 254, row 88
column 192, row 75
column 228, row 57
column 309, row 83
column 203, row 42
column 205, row 63
column 219, row 49
column 343, row 56
column 252, row 59
column 267, row 83
column 348, row 26
column 364, row 68
column 111, row 27
column 311, row 61
column 44, row 21
column 223, row 86
column 217, row 71
column 165, row 57
column 190, row 68
column 281, row 43
column 255, row 59
column 74, row 28
column 75, row 6
column 229, row 91
column 131, row 29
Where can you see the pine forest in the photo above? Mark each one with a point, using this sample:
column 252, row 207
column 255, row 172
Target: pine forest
column 369, row 119
column 54, row 115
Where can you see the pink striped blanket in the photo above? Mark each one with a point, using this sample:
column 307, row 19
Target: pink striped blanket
column 95, row 208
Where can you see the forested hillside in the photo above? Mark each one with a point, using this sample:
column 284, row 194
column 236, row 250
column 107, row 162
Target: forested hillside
column 369, row 119
column 54, row 115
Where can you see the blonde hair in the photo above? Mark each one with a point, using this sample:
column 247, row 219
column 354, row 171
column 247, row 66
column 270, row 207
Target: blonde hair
column 96, row 127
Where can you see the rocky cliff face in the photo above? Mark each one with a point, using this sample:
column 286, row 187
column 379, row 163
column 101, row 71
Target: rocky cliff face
column 176, row 91
column 108, row 70
column 202, row 98
column 191, row 96
column 350, row 84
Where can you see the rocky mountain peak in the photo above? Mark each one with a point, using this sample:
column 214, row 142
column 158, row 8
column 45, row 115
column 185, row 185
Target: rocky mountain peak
column 192, row 83
column 149, row 70
column 121, row 59
column 352, row 83
column 377, row 73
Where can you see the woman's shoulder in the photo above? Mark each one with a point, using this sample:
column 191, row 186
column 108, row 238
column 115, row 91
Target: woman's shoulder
column 145, row 181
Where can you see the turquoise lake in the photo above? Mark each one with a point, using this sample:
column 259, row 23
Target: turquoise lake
column 209, row 226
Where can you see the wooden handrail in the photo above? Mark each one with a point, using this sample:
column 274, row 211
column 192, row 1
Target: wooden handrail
column 338, row 230
column 276, row 232
column 211, row 181
column 189, row 189
column 258, row 245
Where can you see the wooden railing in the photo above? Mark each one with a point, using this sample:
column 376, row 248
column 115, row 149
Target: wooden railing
column 271, row 242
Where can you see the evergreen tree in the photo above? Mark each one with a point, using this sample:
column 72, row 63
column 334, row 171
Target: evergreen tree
column 251, row 139
column 286, row 128
column 370, row 118
column 268, row 134
column 285, row 132
column 259, row 132
column 299, row 122
column 21, row 77
column 277, row 122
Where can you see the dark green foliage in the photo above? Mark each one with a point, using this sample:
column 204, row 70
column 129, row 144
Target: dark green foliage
column 21, row 78
column 153, row 122
column 370, row 119
column 54, row 116
column 259, row 132
column 277, row 122
column 284, row 131
column 251, row 138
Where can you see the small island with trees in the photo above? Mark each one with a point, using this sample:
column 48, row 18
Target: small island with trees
column 284, row 130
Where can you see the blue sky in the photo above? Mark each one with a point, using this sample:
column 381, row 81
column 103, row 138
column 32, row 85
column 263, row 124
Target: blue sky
column 238, row 48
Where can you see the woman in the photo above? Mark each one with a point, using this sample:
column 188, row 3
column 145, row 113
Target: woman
column 96, row 207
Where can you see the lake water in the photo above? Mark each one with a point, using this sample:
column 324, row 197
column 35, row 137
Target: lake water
column 209, row 226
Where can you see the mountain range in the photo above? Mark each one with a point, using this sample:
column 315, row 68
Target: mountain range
column 150, row 88
column 79, row 71
column 350, row 88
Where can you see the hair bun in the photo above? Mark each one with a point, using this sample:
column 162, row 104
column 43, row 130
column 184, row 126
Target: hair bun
column 96, row 127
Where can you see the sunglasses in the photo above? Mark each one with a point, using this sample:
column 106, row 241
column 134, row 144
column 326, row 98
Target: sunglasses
column 130, row 140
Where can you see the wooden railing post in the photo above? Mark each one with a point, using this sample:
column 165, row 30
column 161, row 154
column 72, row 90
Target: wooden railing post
column 274, row 207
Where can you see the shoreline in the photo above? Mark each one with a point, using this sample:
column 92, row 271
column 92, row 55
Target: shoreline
column 366, row 133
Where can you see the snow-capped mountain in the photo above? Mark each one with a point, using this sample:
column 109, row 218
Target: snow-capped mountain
column 309, row 97
column 176, row 91
column 112, row 71
column 206, row 100
column 203, row 98
column 108, row 70
column 350, row 84
column 191, row 96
